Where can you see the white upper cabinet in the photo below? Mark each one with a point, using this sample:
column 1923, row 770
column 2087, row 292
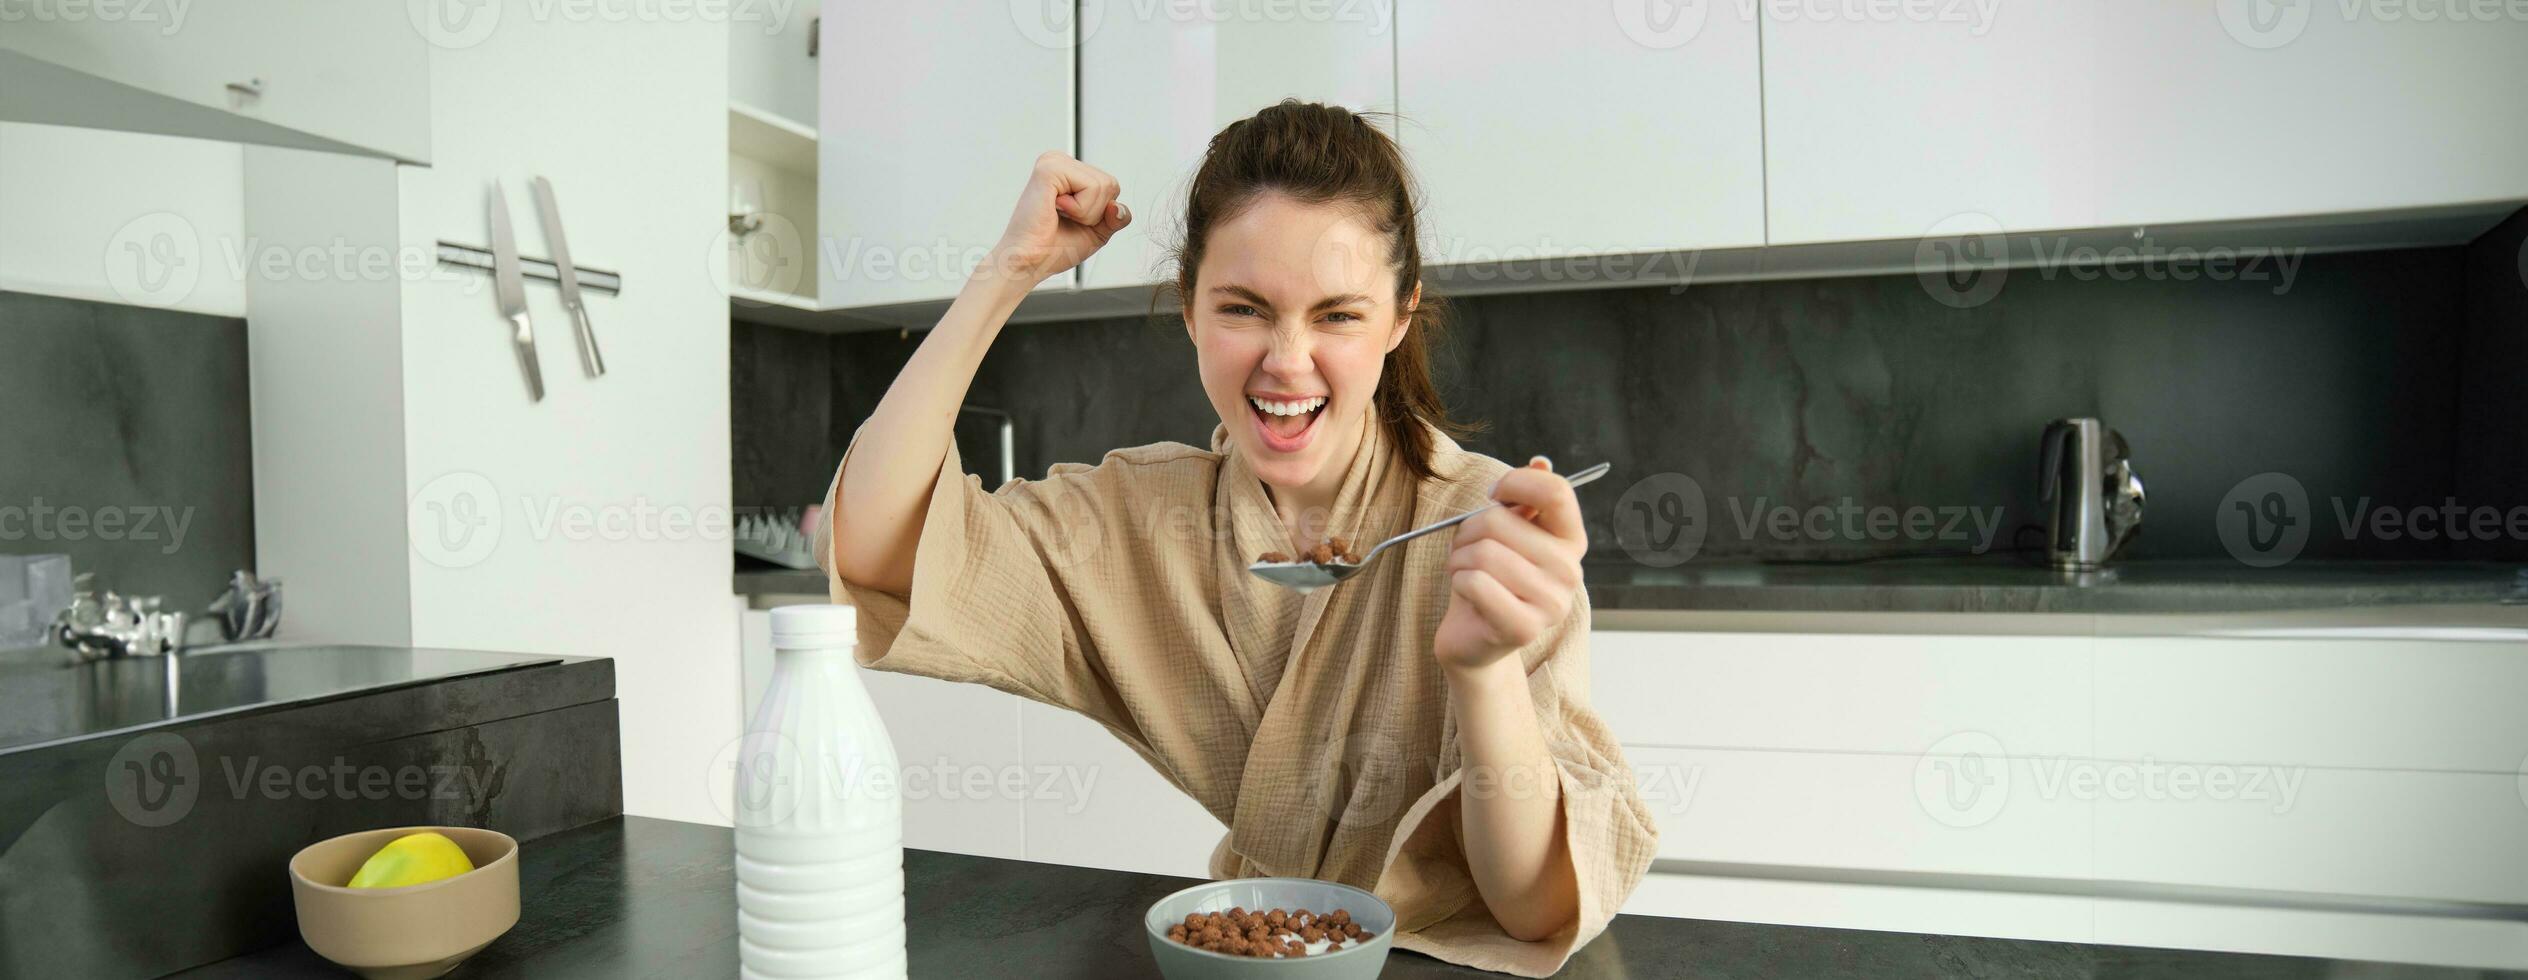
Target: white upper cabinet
column 931, row 115
column 345, row 77
column 1158, row 79
column 1581, row 126
column 2091, row 113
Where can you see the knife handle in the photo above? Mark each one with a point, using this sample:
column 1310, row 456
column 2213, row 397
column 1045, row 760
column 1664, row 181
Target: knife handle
column 524, row 341
column 589, row 358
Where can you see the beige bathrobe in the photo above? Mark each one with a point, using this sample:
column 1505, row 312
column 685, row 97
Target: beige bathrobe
column 1315, row 727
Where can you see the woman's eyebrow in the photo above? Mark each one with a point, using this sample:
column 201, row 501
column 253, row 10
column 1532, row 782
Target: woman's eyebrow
column 1328, row 303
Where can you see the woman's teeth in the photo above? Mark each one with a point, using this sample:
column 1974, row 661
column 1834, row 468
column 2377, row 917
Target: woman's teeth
column 1301, row 407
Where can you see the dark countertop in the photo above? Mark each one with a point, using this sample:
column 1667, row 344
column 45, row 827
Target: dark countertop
column 765, row 578
column 635, row 897
column 2009, row 585
column 132, row 845
column 45, row 699
column 1993, row 584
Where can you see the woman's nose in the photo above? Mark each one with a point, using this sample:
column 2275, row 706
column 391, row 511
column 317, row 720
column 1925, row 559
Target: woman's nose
column 1293, row 353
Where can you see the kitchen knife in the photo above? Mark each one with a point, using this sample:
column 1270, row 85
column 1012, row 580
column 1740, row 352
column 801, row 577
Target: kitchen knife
column 589, row 358
column 510, row 287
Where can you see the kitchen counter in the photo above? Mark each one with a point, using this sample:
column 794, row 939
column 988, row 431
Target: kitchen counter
column 759, row 578
column 1993, row 584
column 148, row 805
column 45, row 699
column 638, row 897
column 2002, row 584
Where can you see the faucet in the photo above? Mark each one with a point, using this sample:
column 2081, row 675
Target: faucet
column 98, row 625
column 250, row 609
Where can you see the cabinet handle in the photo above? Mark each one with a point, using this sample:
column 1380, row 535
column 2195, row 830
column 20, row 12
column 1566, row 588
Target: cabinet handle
column 250, row 88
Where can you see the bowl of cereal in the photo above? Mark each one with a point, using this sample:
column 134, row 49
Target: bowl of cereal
column 1283, row 928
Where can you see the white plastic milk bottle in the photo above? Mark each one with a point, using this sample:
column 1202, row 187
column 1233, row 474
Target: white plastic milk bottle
column 820, row 821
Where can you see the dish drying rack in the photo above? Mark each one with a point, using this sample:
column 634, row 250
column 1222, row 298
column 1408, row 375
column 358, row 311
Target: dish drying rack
column 775, row 538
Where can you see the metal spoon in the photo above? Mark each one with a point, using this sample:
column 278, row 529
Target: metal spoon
column 1307, row 575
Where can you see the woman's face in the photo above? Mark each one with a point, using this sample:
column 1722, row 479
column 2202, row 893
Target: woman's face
column 1292, row 314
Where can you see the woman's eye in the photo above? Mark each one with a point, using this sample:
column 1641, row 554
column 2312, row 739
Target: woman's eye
column 1340, row 316
column 1237, row 309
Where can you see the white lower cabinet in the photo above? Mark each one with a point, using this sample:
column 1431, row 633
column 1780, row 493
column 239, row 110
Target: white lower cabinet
column 2350, row 798
column 1862, row 812
column 993, row 774
column 1096, row 803
column 2370, row 836
column 2347, row 797
column 964, row 776
column 1855, row 693
column 957, row 744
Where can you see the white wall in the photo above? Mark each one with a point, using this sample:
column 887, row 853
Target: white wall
column 628, row 120
column 121, row 218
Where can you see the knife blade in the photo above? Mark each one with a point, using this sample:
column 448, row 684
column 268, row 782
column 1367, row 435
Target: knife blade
column 509, row 286
column 551, row 212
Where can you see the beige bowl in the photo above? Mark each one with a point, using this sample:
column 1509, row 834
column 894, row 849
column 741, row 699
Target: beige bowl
column 409, row 933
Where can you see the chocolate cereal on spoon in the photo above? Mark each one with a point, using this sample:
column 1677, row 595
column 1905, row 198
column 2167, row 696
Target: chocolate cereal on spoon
column 1333, row 560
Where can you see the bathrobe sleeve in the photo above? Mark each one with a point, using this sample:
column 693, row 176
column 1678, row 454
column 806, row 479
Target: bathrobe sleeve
column 1006, row 585
column 1610, row 834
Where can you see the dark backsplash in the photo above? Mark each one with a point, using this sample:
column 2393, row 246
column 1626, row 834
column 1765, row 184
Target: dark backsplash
column 126, row 443
column 2386, row 375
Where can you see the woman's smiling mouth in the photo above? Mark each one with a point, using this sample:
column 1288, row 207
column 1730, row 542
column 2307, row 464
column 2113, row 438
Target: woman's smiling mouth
column 1286, row 422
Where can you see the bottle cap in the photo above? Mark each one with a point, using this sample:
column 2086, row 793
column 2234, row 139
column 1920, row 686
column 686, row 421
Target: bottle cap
column 813, row 627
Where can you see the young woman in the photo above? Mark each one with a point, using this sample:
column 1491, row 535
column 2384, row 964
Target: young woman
column 1421, row 730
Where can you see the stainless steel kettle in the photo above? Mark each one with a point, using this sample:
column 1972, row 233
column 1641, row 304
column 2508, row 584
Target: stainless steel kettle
column 2092, row 496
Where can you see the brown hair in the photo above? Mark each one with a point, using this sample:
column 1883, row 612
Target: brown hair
column 1322, row 154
